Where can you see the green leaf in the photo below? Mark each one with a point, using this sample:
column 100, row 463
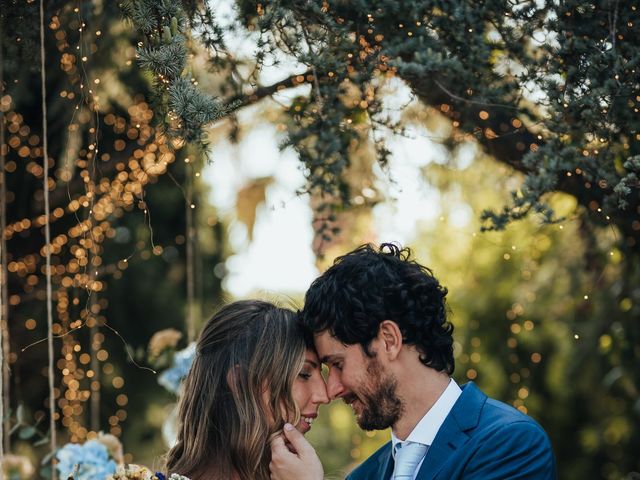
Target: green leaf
column 27, row 432
column 42, row 441
column 45, row 472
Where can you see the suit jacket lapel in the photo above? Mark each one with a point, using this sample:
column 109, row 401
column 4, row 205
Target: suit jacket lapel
column 385, row 463
column 464, row 416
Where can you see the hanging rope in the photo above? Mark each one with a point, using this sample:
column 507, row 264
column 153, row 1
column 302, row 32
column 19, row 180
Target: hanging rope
column 191, row 322
column 47, row 235
column 3, row 270
column 95, row 366
column 2, row 279
column 2, row 363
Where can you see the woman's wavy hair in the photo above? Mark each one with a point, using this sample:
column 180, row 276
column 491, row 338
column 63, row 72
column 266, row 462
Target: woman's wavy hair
column 248, row 356
column 369, row 285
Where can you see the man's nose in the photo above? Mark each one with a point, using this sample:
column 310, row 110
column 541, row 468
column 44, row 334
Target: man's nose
column 335, row 389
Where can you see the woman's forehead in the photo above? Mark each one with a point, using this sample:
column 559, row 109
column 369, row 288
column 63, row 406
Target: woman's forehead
column 311, row 356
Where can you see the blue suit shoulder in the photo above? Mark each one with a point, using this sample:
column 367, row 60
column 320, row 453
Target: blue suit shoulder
column 502, row 441
column 496, row 411
column 481, row 439
column 497, row 415
column 372, row 464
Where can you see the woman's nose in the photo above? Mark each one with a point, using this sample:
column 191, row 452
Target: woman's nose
column 320, row 393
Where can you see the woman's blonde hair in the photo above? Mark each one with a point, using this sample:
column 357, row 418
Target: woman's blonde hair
column 248, row 356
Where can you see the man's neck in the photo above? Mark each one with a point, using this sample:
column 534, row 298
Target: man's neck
column 418, row 395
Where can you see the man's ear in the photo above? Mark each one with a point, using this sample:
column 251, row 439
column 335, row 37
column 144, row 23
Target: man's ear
column 389, row 339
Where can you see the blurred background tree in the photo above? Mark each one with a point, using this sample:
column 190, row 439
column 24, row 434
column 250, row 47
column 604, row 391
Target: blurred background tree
column 122, row 205
column 549, row 90
column 534, row 106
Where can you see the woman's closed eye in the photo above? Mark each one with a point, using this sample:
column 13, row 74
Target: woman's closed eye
column 304, row 375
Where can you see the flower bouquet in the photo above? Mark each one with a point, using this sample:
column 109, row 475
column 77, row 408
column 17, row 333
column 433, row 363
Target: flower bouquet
column 102, row 459
column 90, row 460
column 138, row 472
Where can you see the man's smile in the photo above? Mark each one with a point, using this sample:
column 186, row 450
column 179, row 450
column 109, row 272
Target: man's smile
column 354, row 402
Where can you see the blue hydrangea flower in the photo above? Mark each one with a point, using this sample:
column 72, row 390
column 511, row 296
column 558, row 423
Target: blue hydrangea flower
column 92, row 458
column 172, row 377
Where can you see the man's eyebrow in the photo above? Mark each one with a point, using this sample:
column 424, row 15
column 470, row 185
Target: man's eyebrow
column 329, row 358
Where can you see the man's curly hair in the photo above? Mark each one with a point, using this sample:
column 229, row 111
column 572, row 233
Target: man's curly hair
column 369, row 285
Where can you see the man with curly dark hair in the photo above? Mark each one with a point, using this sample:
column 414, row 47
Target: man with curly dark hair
column 379, row 322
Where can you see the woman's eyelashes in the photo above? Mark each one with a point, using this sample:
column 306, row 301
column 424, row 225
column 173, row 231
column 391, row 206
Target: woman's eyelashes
column 305, row 375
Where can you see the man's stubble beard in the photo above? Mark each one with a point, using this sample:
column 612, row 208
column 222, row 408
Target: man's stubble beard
column 382, row 407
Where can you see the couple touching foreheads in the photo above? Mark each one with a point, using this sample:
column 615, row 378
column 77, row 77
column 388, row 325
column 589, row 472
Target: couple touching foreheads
column 378, row 320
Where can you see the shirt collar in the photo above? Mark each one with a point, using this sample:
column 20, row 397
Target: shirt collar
column 427, row 428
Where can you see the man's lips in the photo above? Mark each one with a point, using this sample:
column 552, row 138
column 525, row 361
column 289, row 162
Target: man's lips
column 350, row 399
column 353, row 402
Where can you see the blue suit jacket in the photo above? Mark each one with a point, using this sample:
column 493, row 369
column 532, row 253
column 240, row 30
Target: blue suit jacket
column 481, row 439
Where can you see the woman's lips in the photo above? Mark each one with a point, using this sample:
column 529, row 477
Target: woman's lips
column 306, row 420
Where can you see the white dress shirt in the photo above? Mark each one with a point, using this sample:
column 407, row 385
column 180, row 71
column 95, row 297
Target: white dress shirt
column 427, row 428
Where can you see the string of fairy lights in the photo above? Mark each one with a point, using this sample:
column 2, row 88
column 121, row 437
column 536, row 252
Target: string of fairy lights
column 47, row 232
column 113, row 180
column 3, row 271
column 108, row 195
column 102, row 198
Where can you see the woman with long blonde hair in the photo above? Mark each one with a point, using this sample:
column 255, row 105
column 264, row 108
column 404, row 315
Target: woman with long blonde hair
column 253, row 372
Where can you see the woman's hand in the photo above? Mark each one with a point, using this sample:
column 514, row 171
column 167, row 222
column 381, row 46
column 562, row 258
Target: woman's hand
column 296, row 460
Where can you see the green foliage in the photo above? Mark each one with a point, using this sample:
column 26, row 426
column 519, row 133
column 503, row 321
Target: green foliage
column 18, row 39
column 146, row 237
column 543, row 322
column 193, row 109
column 166, row 60
column 184, row 111
column 344, row 78
column 630, row 181
column 548, row 88
column 524, row 331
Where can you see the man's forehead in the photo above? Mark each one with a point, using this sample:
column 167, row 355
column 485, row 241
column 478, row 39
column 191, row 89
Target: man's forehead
column 328, row 346
column 327, row 338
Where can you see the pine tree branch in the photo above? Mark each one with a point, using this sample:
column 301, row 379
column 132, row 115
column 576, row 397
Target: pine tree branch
column 510, row 145
column 268, row 90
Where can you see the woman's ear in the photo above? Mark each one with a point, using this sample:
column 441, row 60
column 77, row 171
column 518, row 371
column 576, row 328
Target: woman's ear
column 389, row 339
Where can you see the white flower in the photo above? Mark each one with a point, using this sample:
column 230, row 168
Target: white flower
column 167, row 338
column 139, row 472
column 133, row 472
